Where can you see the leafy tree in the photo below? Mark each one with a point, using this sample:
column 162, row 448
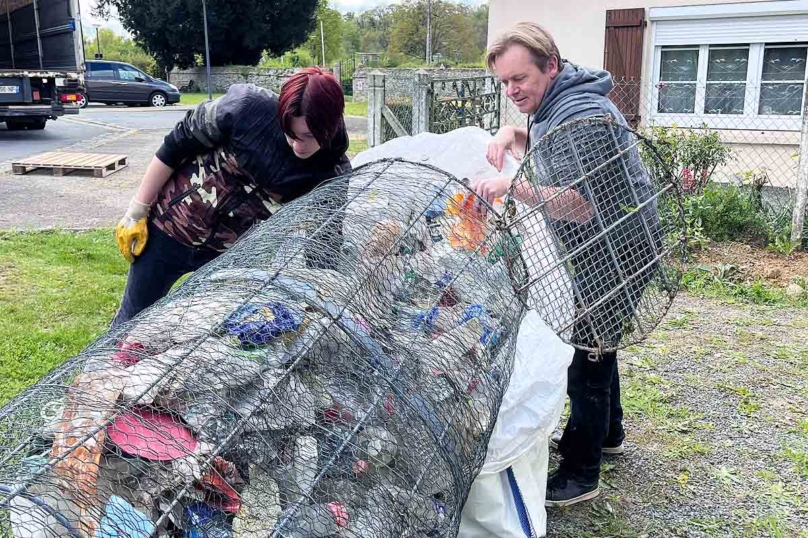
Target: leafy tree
column 333, row 33
column 453, row 31
column 121, row 49
column 375, row 26
column 480, row 18
column 351, row 36
column 239, row 32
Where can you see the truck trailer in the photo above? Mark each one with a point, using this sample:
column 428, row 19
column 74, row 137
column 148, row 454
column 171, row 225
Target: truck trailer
column 41, row 61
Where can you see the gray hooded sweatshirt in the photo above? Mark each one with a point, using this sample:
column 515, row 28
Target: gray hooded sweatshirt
column 575, row 93
column 579, row 93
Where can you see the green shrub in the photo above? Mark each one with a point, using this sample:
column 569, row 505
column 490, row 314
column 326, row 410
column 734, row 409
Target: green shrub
column 721, row 212
column 298, row 57
column 727, row 213
column 691, row 155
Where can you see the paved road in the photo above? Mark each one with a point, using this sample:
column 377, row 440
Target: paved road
column 93, row 122
column 38, row 200
column 97, row 120
column 147, row 118
column 19, row 144
column 141, row 118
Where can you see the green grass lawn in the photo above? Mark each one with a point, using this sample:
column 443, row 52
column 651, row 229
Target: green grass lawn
column 359, row 108
column 58, row 291
column 357, row 146
column 196, row 98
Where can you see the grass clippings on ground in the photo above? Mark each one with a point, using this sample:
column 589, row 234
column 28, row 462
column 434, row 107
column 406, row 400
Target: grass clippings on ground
column 717, row 429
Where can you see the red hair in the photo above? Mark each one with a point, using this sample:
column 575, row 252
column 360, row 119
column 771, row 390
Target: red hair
column 315, row 96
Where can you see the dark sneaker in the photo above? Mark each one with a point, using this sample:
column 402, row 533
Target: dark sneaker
column 607, row 448
column 564, row 489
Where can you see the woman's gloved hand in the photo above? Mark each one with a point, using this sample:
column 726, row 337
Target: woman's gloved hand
column 132, row 233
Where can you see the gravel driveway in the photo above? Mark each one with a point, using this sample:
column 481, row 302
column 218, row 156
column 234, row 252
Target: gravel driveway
column 717, row 430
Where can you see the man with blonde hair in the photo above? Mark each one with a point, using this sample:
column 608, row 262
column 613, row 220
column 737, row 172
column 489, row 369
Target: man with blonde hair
column 553, row 91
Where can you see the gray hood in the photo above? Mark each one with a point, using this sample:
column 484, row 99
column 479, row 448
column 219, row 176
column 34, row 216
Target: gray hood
column 576, row 92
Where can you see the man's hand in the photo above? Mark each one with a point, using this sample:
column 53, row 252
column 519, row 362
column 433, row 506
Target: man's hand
column 503, row 142
column 132, row 233
column 491, row 188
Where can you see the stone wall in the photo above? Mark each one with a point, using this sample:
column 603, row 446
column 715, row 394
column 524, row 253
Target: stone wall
column 222, row 78
column 401, row 82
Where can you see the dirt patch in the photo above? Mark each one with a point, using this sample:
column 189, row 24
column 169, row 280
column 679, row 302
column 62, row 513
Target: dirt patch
column 756, row 263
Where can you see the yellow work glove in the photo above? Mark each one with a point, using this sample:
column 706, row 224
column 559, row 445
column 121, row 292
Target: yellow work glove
column 131, row 233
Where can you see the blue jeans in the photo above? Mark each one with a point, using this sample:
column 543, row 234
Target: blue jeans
column 162, row 263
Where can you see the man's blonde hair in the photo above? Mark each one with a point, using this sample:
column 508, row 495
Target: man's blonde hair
column 530, row 35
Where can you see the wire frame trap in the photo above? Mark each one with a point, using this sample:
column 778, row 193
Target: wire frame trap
column 617, row 231
column 337, row 372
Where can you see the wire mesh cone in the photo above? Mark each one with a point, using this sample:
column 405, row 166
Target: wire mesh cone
column 617, row 230
column 337, row 371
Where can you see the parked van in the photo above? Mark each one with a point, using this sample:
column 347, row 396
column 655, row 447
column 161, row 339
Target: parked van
column 111, row 82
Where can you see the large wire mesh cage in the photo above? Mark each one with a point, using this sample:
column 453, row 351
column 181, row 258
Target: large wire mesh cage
column 336, row 373
column 603, row 199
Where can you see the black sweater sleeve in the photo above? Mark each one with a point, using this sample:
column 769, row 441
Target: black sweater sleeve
column 208, row 126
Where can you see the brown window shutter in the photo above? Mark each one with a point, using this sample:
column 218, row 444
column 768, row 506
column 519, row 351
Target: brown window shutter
column 622, row 58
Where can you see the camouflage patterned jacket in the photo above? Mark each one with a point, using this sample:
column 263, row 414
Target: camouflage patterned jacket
column 233, row 168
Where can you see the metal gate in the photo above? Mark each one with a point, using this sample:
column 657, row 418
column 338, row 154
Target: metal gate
column 463, row 102
column 346, row 70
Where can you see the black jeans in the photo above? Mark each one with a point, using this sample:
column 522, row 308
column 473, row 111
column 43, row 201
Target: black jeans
column 596, row 415
column 162, row 263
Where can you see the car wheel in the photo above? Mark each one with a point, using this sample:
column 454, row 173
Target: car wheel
column 83, row 101
column 12, row 125
column 37, row 125
column 158, row 99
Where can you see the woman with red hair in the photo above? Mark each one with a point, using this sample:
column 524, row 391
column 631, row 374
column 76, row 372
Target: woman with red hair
column 227, row 165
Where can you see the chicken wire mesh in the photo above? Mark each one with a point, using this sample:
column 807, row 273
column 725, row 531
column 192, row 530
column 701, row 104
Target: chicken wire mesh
column 616, row 224
column 337, row 372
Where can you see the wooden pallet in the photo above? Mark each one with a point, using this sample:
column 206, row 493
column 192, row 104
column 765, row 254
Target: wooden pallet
column 64, row 163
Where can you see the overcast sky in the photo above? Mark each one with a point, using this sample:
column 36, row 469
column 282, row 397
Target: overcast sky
column 342, row 5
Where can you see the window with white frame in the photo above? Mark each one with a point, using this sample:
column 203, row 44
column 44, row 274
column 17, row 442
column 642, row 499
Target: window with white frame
column 782, row 80
column 755, row 85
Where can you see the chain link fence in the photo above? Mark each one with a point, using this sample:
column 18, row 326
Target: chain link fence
column 735, row 146
column 763, row 142
column 763, row 146
column 742, row 143
column 397, row 113
column 732, row 144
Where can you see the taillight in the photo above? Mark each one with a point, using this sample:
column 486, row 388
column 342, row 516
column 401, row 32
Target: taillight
column 68, row 97
column 36, row 95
